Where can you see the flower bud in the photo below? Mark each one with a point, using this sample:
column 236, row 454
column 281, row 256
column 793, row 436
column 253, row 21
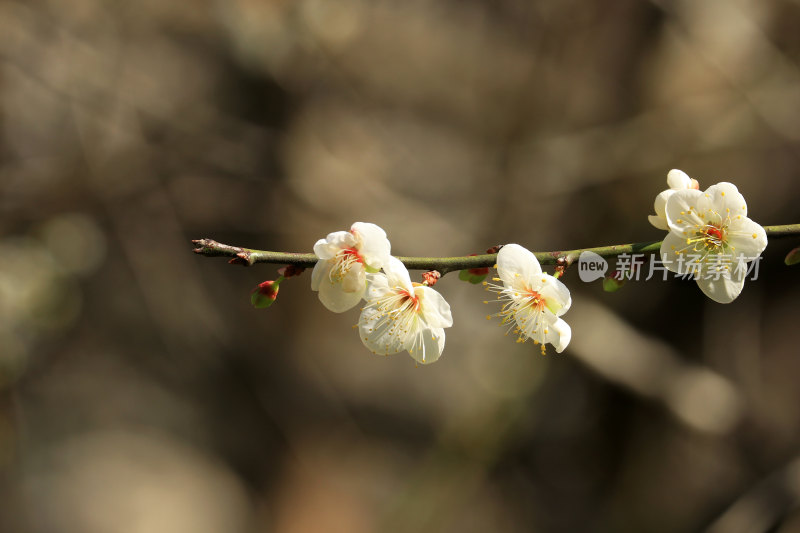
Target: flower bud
column 265, row 294
column 614, row 281
column 431, row 277
column 474, row 275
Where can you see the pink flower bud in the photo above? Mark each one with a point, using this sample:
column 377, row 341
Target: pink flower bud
column 431, row 277
column 265, row 294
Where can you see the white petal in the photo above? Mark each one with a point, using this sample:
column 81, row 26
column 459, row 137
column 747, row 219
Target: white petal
column 325, row 250
column 659, row 206
column 683, row 210
column 678, row 179
column 435, row 310
column 355, row 280
column 377, row 332
column 660, row 203
column 517, row 266
column 559, row 334
column 367, row 231
column 727, row 200
column 373, row 246
column 377, row 286
column 428, row 345
column 556, row 294
column 658, row 222
column 747, row 238
column 670, row 256
column 398, row 274
column 321, row 271
column 726, row 288
column 336, row 299
column 341, row 239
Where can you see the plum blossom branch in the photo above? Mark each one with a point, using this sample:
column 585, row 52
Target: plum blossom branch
column 249, row 256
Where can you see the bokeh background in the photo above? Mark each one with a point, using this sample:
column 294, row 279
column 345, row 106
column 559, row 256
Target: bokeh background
column 140, row 391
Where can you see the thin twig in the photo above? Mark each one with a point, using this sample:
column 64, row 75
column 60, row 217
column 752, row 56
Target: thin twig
column 249, row 256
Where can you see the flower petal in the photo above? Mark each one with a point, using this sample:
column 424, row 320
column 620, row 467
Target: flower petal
column 434, row 308
column 659, row 206
column 377, row 286
column 660, row 203
column 725, row 288
column 377, row 332
column 675, row 253
column 341, row 239
column 559, row 334
column 678, row 179
column 517, row 266
column 325, row 250
column 658, row 222
column 373, row 246
column 397, row 274
column 747, row 238
column 683, row 210
column 336, row 299
column 355, row 280
column 727, row 200
column 321, row 271
column 556, row 294
column 427, row 346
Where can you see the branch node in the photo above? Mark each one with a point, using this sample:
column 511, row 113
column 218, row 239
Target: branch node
column 242, row 258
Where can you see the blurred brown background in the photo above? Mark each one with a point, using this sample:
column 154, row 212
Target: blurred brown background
column 140, row 391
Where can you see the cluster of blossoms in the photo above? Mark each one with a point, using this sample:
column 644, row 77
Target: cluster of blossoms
column 399, row 314
column 710, row 239
column 712, row 228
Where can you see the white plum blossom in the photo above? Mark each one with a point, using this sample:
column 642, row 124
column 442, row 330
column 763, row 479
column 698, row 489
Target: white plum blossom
column 345, row 257
column 677, row 180
column 400, row 315
column 711, row 239
column 532, row 300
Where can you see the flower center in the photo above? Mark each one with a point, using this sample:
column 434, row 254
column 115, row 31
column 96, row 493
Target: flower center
column 351, row 254
column 712, row 237
column 523, row 312
column 535, row 300
column 409, row 299
column 714, row 233
column 397, row 319
column 344, row 260
column 709, row 238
